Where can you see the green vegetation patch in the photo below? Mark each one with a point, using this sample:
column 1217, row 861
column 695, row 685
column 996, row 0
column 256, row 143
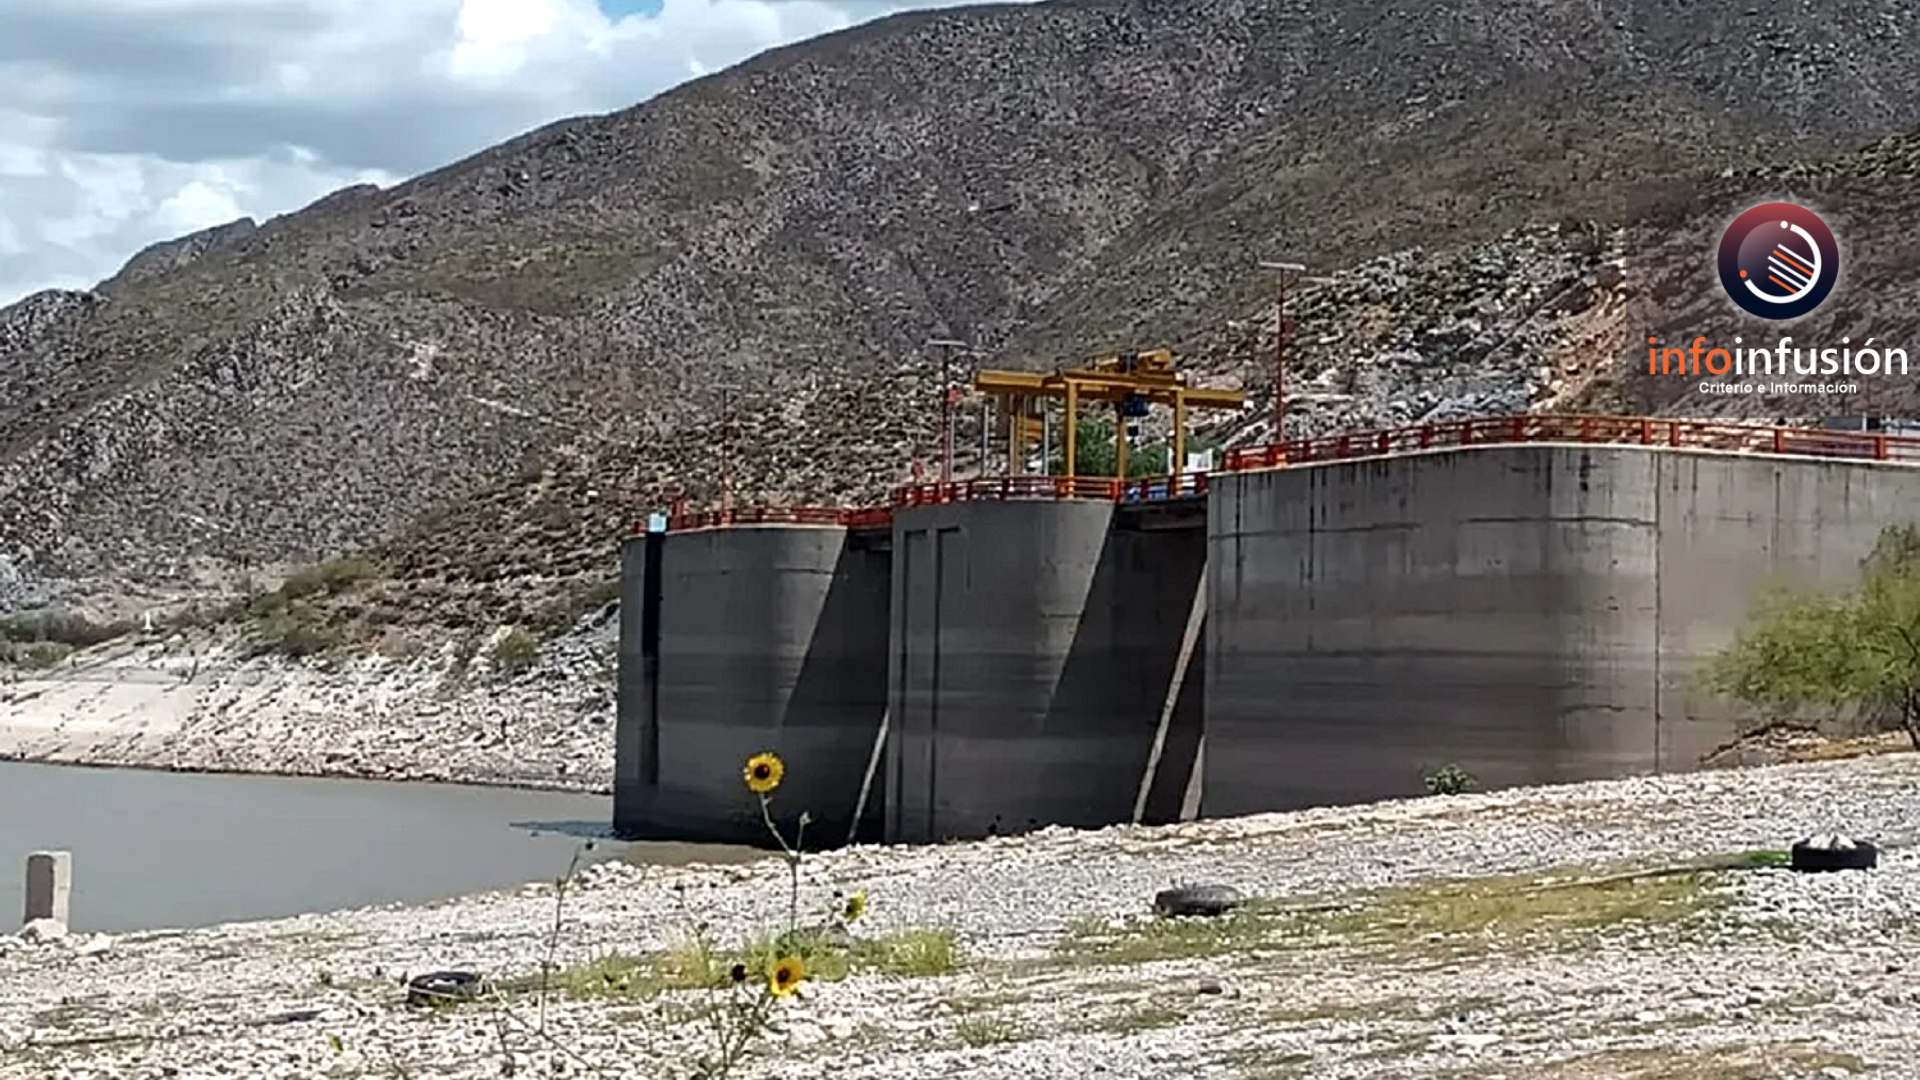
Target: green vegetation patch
column 981, row 1031
column 296, row 619
column 1728, row 1062
column 693, row 965
column 1857, row 648
column 1440, row 920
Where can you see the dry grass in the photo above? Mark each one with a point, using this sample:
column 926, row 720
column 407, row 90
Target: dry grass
column 1431, row 921
column 1893, row 742
column 693, row 965
column 1755, row 1061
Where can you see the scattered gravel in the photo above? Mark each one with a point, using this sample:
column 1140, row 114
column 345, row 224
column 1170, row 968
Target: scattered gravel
column 1797, row 975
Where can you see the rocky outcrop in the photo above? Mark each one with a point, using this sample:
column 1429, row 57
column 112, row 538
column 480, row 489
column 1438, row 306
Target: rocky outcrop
column 171, row 255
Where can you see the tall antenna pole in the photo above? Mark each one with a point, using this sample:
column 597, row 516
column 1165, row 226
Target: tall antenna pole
column 726, row 449
column 947, row 345
column 1280, row 360
column 986, row 434
column 1280, row 328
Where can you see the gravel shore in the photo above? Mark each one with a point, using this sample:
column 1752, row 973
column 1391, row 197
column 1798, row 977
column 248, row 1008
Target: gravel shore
column 1386, row 941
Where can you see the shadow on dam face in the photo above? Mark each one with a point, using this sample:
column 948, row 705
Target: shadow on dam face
column 740, row 640
column 1033, row 648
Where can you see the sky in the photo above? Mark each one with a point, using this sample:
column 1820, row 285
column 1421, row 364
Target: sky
column 125, row 122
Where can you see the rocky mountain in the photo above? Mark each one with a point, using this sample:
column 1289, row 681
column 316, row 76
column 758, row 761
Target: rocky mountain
column 477, row 378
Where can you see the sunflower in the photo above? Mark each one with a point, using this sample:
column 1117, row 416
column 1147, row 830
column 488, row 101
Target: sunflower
column 785, row 976
column 763, row 773
column 855, row 907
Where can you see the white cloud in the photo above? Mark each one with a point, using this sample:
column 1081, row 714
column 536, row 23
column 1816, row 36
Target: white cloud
column 132, row 121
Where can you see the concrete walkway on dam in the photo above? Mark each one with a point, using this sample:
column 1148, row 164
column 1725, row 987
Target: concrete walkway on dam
column 1322, row 623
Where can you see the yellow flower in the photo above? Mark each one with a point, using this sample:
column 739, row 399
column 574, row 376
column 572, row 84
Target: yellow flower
column 785, row 976
column 763, row 773
column 855, row 907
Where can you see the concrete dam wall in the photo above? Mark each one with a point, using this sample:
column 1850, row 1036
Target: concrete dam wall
column 1532, row 612
column 1034, row 643
column 742, row 640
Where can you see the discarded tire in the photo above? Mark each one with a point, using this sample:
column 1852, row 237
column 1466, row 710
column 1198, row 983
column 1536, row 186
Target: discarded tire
column 1833, row 852
column 1197, row 900
column 443, row 988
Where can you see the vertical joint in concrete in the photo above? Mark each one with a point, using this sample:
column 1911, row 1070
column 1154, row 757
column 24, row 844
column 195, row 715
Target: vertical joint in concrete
column 49, row 886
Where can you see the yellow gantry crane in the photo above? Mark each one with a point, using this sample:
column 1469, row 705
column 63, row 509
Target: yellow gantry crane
column 1132, row 382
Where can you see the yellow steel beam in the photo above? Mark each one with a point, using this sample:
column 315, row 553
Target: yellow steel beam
column 1150, row 376
column 1009, row 382
column 1073, row 428
column 1105, row 388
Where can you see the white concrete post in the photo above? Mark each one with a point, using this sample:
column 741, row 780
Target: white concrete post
column 49, row 885
column 1189, row 641
column 866, row 784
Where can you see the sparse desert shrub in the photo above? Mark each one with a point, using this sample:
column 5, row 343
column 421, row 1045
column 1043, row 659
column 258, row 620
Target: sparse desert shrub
column 516, row 650
column 297, row 631
column 1451, row 780
column 333, row 576
column 466, row 646
column 396, row 644
column 580, row 599
column 34, row 654
column 60, row 627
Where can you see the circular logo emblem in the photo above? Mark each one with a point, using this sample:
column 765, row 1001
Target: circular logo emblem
column 1778, row 261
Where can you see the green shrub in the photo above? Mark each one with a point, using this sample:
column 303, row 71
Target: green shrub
column 1856, row 648
column 1451, row 780
column 297, row 631
column 332, row 577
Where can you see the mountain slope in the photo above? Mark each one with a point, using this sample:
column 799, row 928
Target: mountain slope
column 482, row 374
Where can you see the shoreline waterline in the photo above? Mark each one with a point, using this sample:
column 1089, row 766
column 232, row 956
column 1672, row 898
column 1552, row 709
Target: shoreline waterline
column 530, row 784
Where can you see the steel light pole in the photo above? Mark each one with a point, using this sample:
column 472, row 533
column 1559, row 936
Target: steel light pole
column 947, row 347
column 1285, row 270
column 726, row 447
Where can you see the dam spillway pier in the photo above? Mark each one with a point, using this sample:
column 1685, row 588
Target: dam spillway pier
column 1033, row 641
column 755, row 633
column 1320, row 622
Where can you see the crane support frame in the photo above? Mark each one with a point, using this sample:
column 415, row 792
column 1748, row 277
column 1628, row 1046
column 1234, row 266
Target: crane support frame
column 1151, row 378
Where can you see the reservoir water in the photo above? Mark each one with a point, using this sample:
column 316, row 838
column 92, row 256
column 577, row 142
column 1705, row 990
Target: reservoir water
column 160, row 849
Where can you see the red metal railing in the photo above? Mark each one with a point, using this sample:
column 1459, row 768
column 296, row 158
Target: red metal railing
column 1642, row 431
column 869, row 517
column 852, row 517
column 996, row 488
column 1506, row 430
column 1151, row 489
column 1005, row 488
